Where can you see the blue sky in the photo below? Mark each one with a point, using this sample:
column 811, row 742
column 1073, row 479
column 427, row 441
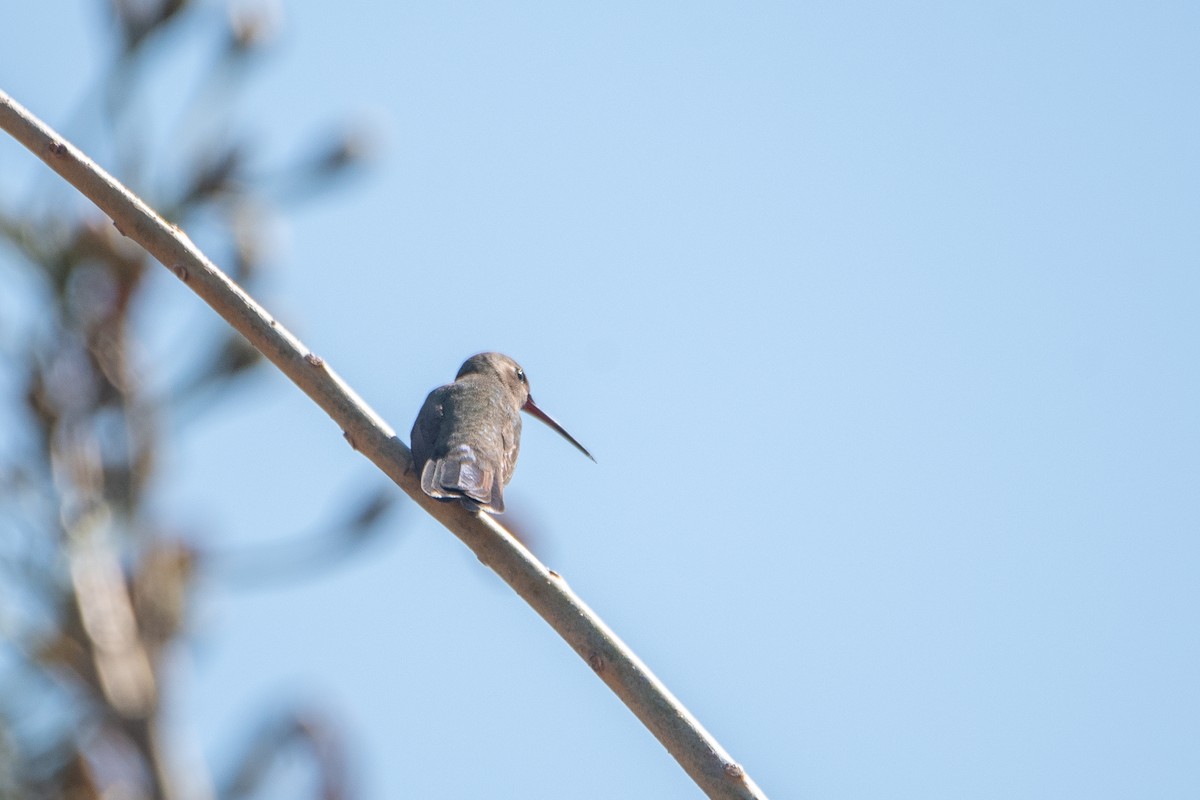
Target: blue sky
column 880, row 319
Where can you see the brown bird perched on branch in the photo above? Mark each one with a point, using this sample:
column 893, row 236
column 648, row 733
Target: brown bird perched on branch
column 467, row 434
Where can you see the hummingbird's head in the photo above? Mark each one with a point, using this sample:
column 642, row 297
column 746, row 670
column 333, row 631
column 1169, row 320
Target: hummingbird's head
column 499, row 367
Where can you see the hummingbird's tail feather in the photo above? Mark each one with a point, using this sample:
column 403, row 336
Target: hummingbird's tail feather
column 459, row 476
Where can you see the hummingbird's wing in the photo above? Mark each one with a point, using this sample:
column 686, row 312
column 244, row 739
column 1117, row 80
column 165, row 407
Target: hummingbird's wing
column 425, row 429
column 510, row 439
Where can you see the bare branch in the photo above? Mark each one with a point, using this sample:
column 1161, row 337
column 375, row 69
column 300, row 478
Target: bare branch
column 694, row 748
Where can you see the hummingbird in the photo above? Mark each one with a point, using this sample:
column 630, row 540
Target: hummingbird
column 467, row 434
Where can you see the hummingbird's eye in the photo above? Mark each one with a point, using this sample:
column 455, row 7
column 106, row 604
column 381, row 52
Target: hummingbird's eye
column 521, row 375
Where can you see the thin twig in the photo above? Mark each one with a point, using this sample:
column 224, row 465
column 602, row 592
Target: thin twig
column 694, row 748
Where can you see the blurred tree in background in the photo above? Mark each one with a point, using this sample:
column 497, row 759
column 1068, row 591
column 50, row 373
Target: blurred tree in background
column 94, row 581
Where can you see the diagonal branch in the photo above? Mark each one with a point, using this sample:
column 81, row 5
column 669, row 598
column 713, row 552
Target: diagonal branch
column 693, row 747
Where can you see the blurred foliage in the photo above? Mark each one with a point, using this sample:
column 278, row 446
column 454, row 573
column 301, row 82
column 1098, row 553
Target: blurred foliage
column 94, row 583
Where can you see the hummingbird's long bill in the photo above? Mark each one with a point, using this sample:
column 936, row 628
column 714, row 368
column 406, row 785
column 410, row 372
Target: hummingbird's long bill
column 533, row 410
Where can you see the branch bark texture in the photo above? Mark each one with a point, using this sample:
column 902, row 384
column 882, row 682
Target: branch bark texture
column 718, row 775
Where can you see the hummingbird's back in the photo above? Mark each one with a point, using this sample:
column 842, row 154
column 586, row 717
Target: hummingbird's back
column 465, row 442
